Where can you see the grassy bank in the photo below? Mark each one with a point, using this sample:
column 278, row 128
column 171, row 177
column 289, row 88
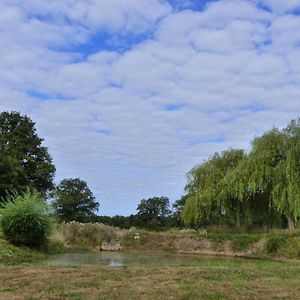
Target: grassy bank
column 13, row 253
column 89, row 237
column 274, row 244
column 260, row 245
column 214, row 279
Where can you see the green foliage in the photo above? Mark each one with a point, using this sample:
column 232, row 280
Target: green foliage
column 206, row 200
column 274, row 243
column 153, row 212
column 243, row 242
column 87, row 235
column 10, row 252
column 256, row 189
column 24, row 162
column 178, row 206
column 55, row 247
column 74, row 201
column 25, row 220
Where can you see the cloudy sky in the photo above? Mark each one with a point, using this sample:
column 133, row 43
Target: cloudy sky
column 131, row 94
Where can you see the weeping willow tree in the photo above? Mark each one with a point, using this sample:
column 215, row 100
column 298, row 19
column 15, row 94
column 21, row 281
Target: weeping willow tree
column 204, row 203
column 258, row 188
column 286, row 179
column 248, row 184
column 272, row 173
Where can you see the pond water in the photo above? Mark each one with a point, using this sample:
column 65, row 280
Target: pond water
column 118, row 259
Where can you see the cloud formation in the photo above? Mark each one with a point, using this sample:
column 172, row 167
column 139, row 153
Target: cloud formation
column 130, row 97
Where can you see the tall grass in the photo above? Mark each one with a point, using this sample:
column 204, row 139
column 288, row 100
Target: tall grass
column 89, row 235
column 25, row 220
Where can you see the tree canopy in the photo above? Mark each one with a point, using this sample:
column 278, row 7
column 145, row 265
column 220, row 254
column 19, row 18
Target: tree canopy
column 205, row 200
column 258, row 188
column 74, row 201
column 24, row 162
column 153, row 212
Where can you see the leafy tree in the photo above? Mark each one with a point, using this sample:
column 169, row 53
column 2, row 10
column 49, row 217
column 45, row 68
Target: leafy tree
column 152, row 213
column 255, row 189
column 272, row 173
column 276, row 155
column 24, row 162
column 74, row 201
column 286, row 184
column 178, row 206
column 205, row 201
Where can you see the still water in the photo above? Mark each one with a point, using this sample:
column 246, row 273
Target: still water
column 123, row 258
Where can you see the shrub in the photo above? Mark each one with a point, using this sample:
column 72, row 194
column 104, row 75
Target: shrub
column 274, row 243
column 86, row 235
column 25, row 220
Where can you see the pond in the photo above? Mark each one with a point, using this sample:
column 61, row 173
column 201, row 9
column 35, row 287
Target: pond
column 128, row 258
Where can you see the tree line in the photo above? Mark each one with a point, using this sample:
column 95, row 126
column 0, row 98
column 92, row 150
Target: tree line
column 259, row 188
column 26, row 165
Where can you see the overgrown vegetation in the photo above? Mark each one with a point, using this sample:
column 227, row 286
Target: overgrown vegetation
column 88, row 235
column 25, row 220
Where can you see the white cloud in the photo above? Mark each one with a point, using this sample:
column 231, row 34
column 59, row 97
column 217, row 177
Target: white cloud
column 232, row 69
column 280, row 6
column 94, row 15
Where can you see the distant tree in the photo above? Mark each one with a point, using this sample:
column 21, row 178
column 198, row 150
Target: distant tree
column 24, row 162
column 178, row 206
column 152, row 212
column 74, row 201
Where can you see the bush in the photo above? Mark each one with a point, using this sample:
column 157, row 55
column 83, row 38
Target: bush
column 87, row 235
column 25, row 220
column 274, row 243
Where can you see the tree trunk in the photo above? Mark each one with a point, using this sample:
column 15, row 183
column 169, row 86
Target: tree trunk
column 291, row 224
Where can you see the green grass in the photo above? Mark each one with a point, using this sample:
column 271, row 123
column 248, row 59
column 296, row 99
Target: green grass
column 211, row 279
column 214, row 279
column 8, row 251
column 14, row 254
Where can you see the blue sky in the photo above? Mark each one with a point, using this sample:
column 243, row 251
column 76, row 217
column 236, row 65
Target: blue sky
column 130, row 95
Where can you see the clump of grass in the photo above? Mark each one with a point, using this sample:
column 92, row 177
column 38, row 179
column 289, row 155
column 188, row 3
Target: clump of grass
column 274, row 243
column 54, row 247
column 25, row 220
column 283, row 245
column 243, row 242
column 88, row 235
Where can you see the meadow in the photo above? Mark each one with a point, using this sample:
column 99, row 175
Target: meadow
column 214, row 279
column 24, row 275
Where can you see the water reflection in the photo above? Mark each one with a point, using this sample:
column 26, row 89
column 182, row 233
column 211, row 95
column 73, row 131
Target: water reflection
column 115, row 263
column 125, row 258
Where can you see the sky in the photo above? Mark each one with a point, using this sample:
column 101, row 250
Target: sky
column 129, row 95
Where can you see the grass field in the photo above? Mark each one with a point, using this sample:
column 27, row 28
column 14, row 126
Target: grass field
column 215, row 279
